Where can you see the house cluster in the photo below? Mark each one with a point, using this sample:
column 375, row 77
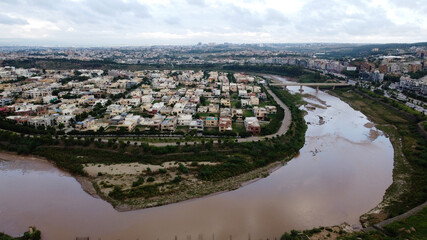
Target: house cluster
column 155, row 100
column 415, row 85
column 376, row 68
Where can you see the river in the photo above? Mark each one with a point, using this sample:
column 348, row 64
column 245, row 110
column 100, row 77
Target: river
column 342, row 172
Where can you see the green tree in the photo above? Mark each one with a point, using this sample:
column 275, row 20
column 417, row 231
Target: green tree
column 234, row 118
column 203, row 100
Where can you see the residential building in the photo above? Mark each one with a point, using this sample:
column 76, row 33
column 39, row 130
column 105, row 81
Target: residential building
column 225, row 124
column 184, row 119
column 169, row 124
column 252, row 125
column 211, row 121
column 197, row 125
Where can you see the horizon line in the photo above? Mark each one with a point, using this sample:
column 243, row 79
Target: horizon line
column 196, row 44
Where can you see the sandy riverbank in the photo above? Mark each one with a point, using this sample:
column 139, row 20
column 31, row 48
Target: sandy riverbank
column 202, row 190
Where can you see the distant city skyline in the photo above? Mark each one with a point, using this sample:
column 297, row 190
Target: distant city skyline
column 187, row 22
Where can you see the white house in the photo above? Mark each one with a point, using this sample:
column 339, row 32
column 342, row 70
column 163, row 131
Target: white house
column 184, row 119
column 197, row 125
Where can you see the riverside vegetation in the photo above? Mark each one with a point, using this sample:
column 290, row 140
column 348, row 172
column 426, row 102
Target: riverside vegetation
column 32, row 234
column 409, row 139
column 182, row 171
column 411, row 228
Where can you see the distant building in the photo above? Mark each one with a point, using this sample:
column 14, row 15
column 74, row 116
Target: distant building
column 367, row 67
column 377, row 76
column 383, row 69
column 415, row 67
column 351, row 68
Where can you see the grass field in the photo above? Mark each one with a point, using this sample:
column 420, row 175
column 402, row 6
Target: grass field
column 248, row 113
column 239, row 128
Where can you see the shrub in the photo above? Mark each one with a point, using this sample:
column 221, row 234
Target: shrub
column 177, row 179
column 117, row 193
column 138, row 182
column 182, row 169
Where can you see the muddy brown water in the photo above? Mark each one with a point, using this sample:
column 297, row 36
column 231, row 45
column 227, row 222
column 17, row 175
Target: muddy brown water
column 342, row 172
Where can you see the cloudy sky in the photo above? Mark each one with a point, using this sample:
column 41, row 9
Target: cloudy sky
column 153, row 22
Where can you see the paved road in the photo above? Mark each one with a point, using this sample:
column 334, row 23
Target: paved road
column 287, row 119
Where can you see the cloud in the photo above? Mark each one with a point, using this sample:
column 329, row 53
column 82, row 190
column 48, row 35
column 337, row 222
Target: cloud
column 173, row 20
column 200, row 3
column 106, row 22
column 275, row 16
column 5, row 19
column 114, row 9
